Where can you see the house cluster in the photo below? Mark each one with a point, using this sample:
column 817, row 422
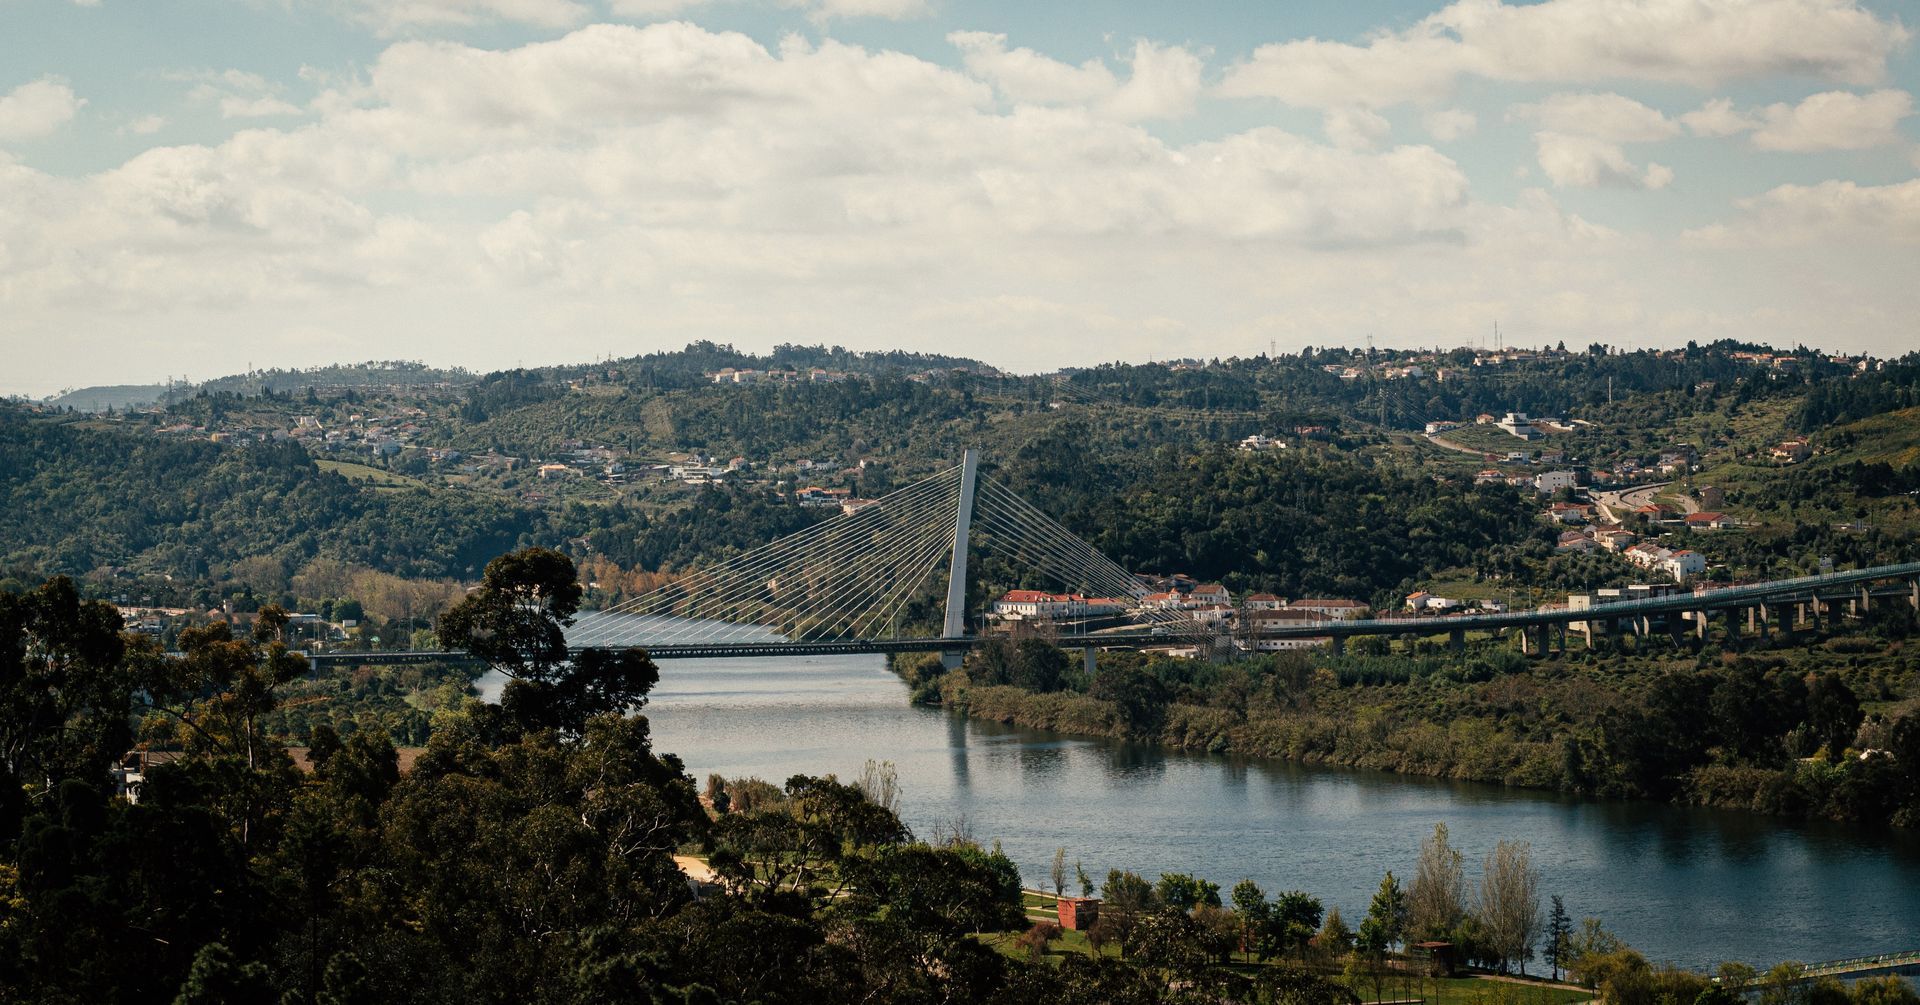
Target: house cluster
column 1791, row 451
column 1038, row 605
column 1597, row 537
column 1425, row 603
column 1208, row 605
column 1264, row 610
column 1680, row 565
column 815, row 375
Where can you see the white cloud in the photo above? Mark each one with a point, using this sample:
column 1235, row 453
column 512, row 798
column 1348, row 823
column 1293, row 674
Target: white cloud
column 1831, row 120
column 146, row 125
column 1839, row 213
column 1694, row 42
column 1610, row 117
column 822, row 11
column 392, row 17
column 1163, row 83
column 1449, row 124
column 239, row 94
column 1587, row 162
column 1355, row 128
column 654, row 8
column 623, row 188
column 1579, row 145
column 1835, row 120
column 1718, row 118
column 36, row 109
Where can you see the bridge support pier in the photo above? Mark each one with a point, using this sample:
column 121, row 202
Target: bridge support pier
column 1090, row 660
column 1913, row 593
column 956, row 623
column 1866, row 598
column 1700, row 620
column 1457, row 641
column 1733, row 627
column 1674, row 631
column 1338, row 644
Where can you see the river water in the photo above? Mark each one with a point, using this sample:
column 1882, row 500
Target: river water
column 1691, row 887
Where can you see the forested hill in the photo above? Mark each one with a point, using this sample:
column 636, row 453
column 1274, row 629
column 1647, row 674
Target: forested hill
column 79, row 498
column 423, row 473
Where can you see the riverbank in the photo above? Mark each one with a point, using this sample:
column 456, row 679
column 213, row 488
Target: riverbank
column 1815, row 732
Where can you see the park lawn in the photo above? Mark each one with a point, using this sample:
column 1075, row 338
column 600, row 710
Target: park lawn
column 355, row 472
column 1474, row 990
column 1468, row 991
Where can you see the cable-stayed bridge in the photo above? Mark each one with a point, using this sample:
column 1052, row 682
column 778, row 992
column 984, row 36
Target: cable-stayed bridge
column 854, row 583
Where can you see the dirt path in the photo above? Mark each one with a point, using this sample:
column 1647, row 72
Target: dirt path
column 1434, row 438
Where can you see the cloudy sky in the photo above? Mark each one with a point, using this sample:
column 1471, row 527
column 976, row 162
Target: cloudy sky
column 190, row 187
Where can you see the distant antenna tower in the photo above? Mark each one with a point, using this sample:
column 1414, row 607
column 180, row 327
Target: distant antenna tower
column 1497, row 344
column 1369, row 345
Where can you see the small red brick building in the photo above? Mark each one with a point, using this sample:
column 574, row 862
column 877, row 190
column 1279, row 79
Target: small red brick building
column 1078, row 913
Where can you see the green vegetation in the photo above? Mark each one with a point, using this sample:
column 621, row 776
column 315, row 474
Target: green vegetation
column 1820, row 728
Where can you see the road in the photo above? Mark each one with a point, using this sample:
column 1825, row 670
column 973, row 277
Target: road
column 1627, row 500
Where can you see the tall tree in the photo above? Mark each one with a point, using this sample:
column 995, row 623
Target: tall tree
column 1559, row 937
column 517, row 622
column 1250, row 905
column 1437, row 899
column 1386, row 921
column 64, row 694
column 1510, row 902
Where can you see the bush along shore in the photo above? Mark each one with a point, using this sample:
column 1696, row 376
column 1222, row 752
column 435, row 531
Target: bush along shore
column 1811, row 727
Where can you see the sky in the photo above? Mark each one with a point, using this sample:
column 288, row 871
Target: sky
column 198, row 187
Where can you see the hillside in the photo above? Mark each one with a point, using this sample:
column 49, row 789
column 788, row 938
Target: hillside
column 227, row 490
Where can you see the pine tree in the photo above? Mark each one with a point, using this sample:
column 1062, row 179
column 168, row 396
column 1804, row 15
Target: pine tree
column 1559, row 937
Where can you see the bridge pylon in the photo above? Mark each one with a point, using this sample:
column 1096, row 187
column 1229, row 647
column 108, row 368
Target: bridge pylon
column 956, row 623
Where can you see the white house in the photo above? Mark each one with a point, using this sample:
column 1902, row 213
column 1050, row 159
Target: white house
column 1330, row 608
column 1208, row 595
column 1264, row 602
column 1549, row 482
column 1517, row 424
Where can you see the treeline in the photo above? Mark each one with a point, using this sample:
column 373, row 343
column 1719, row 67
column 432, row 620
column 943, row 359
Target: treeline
column 1786, row 732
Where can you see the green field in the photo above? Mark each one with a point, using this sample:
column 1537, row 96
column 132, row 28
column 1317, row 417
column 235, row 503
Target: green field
column 356, row 472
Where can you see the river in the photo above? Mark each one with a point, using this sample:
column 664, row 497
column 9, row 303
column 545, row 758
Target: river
column 1691, row 887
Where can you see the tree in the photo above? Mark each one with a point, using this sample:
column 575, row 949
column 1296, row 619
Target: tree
column 1251, row 907
column 1059, row 872
column 218, row 979
column 1294, row 920
column 1386, row 920
column 1336, row 939
column 1510, row 902
column 1186, row 892
column 64, row 694
column 1559, row 937
column 517, row 622
column 1437, row 899
column 1833, row 713
column 1085, row 881
column 517, row 619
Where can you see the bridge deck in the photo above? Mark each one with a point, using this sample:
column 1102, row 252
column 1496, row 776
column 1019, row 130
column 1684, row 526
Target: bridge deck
column 1779, row 591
